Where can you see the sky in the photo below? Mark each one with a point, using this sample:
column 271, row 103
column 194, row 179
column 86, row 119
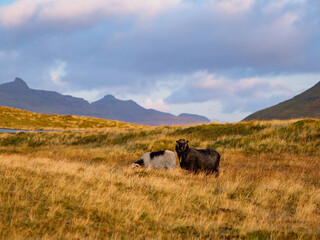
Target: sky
column 223, row 59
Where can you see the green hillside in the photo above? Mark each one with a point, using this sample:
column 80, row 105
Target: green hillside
column 13, row 118
column 304, row 105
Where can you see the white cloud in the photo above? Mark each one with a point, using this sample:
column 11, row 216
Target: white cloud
column 89, row 95
column 235, row 96
column 158, row 104
column 57, row 72
column 22, row 11
column 232, row 6
column 18, row 12
column 130, row 46
column 212, row 109
column 259, row 87
column 202, row 80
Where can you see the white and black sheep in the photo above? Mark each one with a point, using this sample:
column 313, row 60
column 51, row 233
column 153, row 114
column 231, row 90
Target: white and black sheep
column 161, row 159
column 196, row 160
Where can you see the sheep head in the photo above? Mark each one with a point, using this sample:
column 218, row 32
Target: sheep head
column 138, row 164
column 181, row 146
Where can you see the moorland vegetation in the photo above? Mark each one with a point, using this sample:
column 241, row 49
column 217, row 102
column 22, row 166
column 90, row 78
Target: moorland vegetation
column 79, row 185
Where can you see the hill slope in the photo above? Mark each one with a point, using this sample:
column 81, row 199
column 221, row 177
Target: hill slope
column 12, row 118
column 304, row 105
column 17, row 94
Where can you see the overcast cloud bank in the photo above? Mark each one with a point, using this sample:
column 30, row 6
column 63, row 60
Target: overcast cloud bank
column 228, row 58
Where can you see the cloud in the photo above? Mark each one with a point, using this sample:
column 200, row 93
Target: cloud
column 58, row 71
column 17, row 13
column 233, row 6
column 213, row 50
column 158, row 104
column 208, row 39
column 244, row 95
column 164, row 37
column 23, row 11
column 89, row 95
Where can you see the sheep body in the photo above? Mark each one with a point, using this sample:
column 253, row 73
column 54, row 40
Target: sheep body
column 196, row 160
column 161, row 159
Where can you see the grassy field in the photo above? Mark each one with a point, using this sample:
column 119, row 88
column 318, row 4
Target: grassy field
column 79, row 185
column 19, row 119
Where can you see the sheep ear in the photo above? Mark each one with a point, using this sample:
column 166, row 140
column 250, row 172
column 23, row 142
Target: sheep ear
column 177, row 141
column 187, row 141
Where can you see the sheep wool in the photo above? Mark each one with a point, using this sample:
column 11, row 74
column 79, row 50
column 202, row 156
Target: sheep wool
column 159, row 160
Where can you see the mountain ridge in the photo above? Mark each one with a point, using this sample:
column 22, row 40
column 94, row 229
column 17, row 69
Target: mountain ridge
column 17, row 94
column 303, row 105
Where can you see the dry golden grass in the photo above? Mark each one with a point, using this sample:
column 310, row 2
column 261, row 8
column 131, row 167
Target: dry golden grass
column 80, row 185
column 54, row 199
column 13, row 118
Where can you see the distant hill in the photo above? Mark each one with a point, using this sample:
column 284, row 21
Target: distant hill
column 195, row 117
column 13, row 118
column 17, row 94
column 304, row 105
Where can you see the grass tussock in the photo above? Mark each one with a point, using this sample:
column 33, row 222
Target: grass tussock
column 79, row 185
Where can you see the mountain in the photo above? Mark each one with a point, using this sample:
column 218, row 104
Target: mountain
column 17, row 94
column 304, row 105
column 195, row 117
column 130, row 111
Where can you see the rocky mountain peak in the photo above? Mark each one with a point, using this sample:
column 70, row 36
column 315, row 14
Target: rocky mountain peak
column 18, row 82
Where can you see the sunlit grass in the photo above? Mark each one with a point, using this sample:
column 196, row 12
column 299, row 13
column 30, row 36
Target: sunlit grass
column 79, row 185
column 19, row 119
column 43, row 197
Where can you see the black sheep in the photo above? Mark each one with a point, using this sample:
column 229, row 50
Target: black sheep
column 197, row 160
